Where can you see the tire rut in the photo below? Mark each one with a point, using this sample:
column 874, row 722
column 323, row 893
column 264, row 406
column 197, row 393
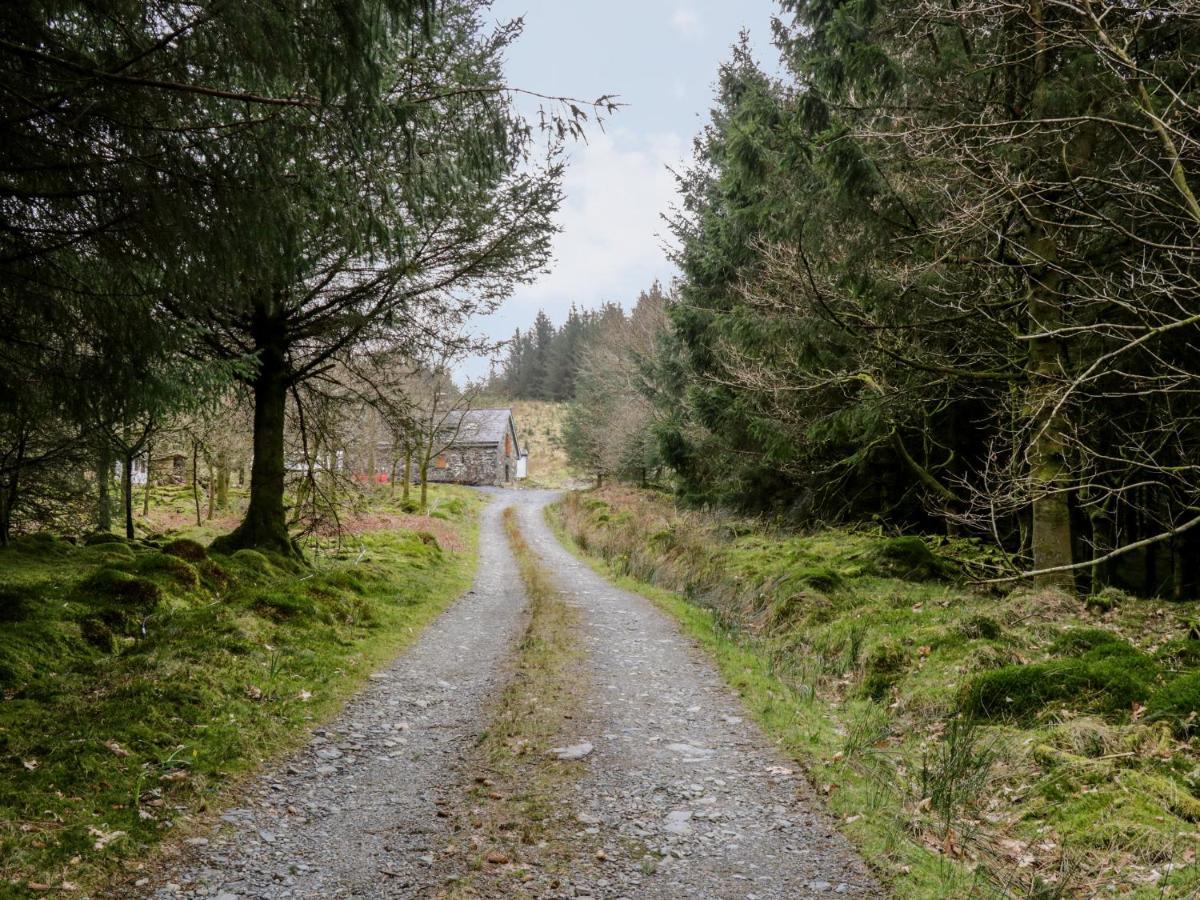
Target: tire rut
column 360, row 811
column 686, row 795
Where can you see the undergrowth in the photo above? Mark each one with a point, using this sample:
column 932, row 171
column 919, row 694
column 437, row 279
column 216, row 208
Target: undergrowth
column 971, row 743
column 140, row 680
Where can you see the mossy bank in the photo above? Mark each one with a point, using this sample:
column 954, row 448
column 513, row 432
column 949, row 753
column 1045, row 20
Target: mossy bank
column 971, row 743
column 140, row 680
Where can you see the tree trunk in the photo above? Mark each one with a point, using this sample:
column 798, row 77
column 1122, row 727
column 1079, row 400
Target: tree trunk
column 408, row 462
column 1049, row 474
column 222, row 480
column 265, row 522
column 104, row 462
column 424, row 485
column 149, row 480
column 127, row 491
column 196, row 478
column 212, row 488
column 10, row 492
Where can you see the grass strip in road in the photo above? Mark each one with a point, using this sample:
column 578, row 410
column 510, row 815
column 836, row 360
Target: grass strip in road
column 516, row 834
column 141, row 682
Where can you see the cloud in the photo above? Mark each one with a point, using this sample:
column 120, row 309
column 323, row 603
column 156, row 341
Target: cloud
column 686, row 20
column 611, row 245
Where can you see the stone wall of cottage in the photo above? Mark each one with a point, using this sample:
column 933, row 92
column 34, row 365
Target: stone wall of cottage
column 468, row 465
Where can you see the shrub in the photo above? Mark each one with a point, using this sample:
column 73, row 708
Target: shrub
column 410, row 506
column 907, row 557
column 1178, row 704
column 173, row 567
column 190, row 550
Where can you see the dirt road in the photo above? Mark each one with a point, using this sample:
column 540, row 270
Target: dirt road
column 685, row 796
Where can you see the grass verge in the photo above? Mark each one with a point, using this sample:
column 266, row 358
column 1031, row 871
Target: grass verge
column 970, row 744
column 516, row 819
column 142, row 681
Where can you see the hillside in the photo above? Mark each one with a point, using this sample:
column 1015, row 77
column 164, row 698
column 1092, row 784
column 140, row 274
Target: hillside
column 539, row 423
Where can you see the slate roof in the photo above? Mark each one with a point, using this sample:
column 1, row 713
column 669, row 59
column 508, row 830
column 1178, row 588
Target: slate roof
column 481, row 426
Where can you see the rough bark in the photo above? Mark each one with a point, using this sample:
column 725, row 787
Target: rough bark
column 127, row 492
column 222, row 480
column 104, row 463
column 265, row 524
column 1049, row 476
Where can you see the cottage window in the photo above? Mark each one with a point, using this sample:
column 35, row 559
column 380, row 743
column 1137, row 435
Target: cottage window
column 440, row 462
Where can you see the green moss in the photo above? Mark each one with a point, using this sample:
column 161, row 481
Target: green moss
column 1108, row 683
column 98, row 656
column 254, row 562
column 907, row 557
column 1182, row 653
column 1107, row 599
column 103, row 537
column 178, row 570
column 1077, row 641
column 192, row 551
column 1178, row 704
column 213, row 575
column 282, row 604
column 15, row 603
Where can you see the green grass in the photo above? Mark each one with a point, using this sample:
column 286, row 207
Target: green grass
column 1060, row 783
column 139, row 687
column 522, row 838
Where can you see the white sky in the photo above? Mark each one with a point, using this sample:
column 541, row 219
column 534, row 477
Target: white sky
column 661, row 58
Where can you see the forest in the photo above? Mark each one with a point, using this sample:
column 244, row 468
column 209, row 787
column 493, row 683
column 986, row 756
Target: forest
column 939, row 273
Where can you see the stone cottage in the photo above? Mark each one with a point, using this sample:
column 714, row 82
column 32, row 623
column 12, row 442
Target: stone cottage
column 484, row 449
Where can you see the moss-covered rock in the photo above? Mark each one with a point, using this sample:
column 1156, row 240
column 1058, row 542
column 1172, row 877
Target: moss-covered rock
column 1101, row 679
column 907, row 557
column 121, row 601
column 178, row 570
column 103, row 537
column 192, row 551
column 254, row 562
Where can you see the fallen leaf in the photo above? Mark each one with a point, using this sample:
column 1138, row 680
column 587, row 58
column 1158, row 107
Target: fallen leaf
column 115, row 748
column 254, row 693
column 497, row 858
column 304, row 696
column 31, row 764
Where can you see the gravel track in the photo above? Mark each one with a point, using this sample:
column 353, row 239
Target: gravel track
column 355, row 813
column 684, row 794
column 680, row 781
